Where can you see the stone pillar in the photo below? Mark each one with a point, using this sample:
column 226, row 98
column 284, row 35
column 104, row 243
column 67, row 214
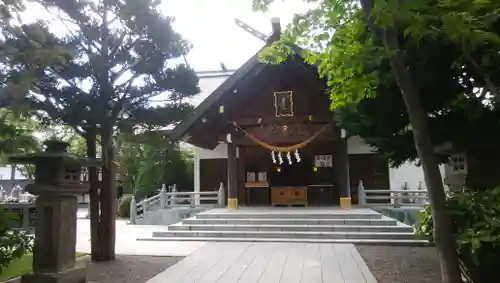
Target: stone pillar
column 232, row 176
column 57, row 185
column 341, row 157
column 55, row 239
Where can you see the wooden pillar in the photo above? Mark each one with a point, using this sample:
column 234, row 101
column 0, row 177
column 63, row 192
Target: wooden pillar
column 197, row 181
column 241, row 175
column 232, row 176
column 342, row 171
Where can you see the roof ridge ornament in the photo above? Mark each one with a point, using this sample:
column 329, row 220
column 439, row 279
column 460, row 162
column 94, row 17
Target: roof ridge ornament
column 276, row 29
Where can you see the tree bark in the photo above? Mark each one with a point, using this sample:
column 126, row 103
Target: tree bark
column 108, row 198
column 443, row 232
column 91, row 143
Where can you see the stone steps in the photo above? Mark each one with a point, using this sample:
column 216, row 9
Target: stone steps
column 314, row 225
column 288, row 235
column 295, row 215
column 291, row 221
column 292, row 228
column 392, row 242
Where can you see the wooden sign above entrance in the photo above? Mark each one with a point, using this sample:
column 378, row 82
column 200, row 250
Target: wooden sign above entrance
column 323, row 161
column 283, row 103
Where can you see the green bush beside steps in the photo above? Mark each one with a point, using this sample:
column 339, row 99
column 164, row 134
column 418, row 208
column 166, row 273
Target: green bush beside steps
column 476, row 222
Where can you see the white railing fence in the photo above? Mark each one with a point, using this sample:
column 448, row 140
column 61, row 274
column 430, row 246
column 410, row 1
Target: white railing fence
column 394, row 198
column 172, row 199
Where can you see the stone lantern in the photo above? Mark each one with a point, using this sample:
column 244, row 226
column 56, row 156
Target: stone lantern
column 57, row 184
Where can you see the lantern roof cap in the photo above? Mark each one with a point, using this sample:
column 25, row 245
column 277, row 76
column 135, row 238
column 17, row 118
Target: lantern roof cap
column 56, row 151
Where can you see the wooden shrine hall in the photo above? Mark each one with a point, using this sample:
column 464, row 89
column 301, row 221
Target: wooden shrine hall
column 281, row 141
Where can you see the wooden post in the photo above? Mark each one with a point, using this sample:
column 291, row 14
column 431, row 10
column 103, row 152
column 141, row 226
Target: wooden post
column 221, row 195
column 397, row 199
column 361, row 194
column 342, row 171
column 163, row 196
column 144, row 207
column 241, row 176
column 173, row 200
column 192, row 200
column 133, row 210
column 232, row 176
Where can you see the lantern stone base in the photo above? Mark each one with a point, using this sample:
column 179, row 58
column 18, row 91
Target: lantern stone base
column 78, row 274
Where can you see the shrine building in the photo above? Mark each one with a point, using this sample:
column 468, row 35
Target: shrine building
column 268, row 134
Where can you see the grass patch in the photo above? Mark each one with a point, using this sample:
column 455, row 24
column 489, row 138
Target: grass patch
column 21, row 266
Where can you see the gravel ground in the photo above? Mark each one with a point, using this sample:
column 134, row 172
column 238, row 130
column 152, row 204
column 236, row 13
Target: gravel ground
column 129, row 269
column 400, row 264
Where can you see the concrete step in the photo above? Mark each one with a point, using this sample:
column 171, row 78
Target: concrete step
column 291, row 228
column 391, row 242
column 290, row 215
column 291, row 221
column 289, row 235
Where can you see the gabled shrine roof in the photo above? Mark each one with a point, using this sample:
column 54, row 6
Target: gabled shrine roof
column 226, row 87
column 249, row 70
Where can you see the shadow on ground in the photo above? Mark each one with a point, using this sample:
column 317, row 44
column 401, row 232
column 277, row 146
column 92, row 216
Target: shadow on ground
column 129, row 269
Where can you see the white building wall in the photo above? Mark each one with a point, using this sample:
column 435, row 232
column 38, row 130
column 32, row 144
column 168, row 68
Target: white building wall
column 412, row 174
column 408, row 172
column 356, row 145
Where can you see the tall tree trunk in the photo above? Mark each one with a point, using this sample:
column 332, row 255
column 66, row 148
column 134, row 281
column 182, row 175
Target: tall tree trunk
column 12, row 175
column 95, row 215
column 443, row 232
column 108, row 197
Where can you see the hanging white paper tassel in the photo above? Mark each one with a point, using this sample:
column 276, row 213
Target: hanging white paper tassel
column 297, row 155
column 289, row 157
column 280, row 158
column 273, row 156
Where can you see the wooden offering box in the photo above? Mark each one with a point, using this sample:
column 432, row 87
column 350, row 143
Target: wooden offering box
column 289, row 195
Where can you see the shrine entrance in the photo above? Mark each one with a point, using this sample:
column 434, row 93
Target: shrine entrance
column 269, row 136
column 308, row 182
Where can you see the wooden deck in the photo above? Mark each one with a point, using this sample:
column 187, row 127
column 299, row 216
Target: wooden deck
column 244, row 262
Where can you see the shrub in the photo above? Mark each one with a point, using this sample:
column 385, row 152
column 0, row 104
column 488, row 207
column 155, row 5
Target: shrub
column 476, row 222
column 14, row 244
column 124, row 206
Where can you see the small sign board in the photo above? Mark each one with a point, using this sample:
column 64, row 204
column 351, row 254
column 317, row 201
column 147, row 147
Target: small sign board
column 250, row 176
column 323, row 161
column 262, row 176
column 283, row 103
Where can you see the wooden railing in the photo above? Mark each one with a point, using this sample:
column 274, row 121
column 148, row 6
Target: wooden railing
column 166, row 200
column 389, row 197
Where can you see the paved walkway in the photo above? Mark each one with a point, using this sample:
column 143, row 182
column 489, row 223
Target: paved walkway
column 127, row 244
column 269, row 263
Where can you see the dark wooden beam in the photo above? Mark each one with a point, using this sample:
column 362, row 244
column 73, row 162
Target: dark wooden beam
column 272, row 120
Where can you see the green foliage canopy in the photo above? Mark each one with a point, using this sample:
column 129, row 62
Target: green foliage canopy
column 113, row 61
column 147, row 161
